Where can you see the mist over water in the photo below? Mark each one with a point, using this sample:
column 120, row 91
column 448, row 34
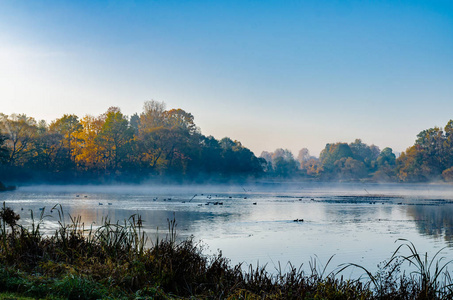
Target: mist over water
column 255, row 223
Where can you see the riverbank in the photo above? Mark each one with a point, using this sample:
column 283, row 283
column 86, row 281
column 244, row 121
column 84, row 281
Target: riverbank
column 112, row 261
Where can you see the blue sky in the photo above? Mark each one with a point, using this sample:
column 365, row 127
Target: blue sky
column 271, row 74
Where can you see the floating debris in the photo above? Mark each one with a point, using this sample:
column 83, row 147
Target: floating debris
column 192, row 198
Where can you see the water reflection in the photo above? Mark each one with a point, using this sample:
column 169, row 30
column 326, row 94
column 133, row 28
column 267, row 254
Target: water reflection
column 434, row 220
column 356, row 223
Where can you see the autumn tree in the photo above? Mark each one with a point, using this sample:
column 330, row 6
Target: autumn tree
column 156, row 142
column 427, row 158
column 312, row 167
column 89, row 152
column 115, row 139
column 309, row 165
column 151, row 137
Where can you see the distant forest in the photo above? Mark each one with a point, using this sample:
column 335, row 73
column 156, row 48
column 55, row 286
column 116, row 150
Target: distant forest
column 166, row 145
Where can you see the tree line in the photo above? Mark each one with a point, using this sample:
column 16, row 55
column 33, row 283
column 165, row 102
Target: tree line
column 160, row 143
column 156, row 143
column 429, row 159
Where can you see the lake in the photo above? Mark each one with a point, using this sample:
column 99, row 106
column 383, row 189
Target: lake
column 255, row 223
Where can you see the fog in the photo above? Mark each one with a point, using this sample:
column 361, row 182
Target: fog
column 251, row 222
column 414, row 191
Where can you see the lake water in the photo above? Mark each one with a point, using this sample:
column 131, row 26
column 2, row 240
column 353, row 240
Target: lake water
column 357, row 223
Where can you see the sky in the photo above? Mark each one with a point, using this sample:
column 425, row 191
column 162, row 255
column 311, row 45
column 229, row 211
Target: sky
column 271, row 74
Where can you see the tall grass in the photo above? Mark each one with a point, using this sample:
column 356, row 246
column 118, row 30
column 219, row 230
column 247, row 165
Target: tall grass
column 112, row 261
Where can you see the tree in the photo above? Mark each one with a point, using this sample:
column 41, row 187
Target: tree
column 115, row 138
column 386, row 166
column 178, row 118
column 426, row 159
column 447, row 175
column 386, row 158
column 312, row 167
column 237, row 159
column 4, row 153
column 280, row 163
column 134, row 122
column 303, row 156
column 349, row 168
column 167, row 140
column 330, row 154
column 267, row 157
column 283, row 162
column 448, row 145
column 340, row 160
column 184, row 140
column 210, row 158
column 67, row 126
column 152, row 115
column 49, row 153
column 411, row 166
column 364, row 153
column 20, row 131
column 88, row 154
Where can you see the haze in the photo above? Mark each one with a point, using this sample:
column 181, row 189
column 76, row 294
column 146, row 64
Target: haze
column 270, row 74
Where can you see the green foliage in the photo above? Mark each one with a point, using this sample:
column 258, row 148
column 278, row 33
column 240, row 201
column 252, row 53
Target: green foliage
column 113, row 146
column 76, row 287
column 343, row 161
column 430, row 158
column 160, row 143
column 280, row 163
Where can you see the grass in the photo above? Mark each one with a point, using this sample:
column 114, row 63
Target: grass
column 112, row 262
